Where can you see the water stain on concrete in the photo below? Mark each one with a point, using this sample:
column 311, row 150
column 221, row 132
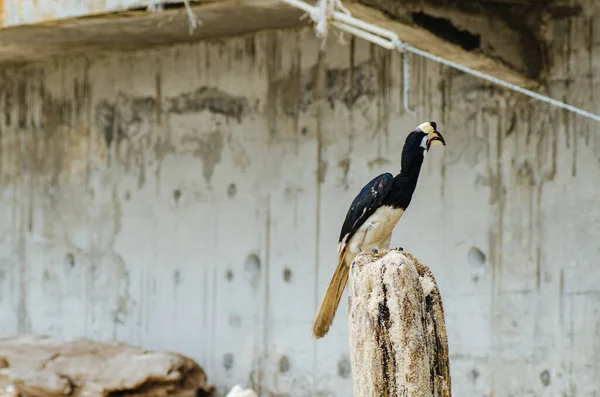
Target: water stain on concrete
column 208, row 148
column 338, row 86
column 293, row 92
column 210, row 99
column 345, row 166
column 239, row 155
column 120, row 119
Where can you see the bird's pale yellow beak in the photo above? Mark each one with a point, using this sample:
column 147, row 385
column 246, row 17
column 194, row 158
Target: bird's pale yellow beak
column 435, row 138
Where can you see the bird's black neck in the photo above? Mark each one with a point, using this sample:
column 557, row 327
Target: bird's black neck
column 411, row 164
column 405, row 182
column 408, row 176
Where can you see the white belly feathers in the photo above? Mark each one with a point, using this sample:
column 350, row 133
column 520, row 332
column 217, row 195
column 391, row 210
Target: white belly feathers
column 375, row 232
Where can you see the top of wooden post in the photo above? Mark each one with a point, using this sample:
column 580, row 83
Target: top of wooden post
column 397, row 329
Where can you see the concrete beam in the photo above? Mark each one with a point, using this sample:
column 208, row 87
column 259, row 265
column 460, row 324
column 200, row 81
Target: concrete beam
column 28, row 12
column 139, row 28
column 514, row 71
column 71, row 27
column 504, row 38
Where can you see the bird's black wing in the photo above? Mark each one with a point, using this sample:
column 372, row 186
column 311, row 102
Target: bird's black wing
column 364, row 205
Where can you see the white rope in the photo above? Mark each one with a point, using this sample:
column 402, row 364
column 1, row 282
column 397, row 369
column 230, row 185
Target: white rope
column 322, row 15
column 194, row 22
column 325, row 13
column 192, row 18
column 543, row 98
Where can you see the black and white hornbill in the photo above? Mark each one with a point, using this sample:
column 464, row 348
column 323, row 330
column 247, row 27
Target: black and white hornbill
column 373, row 215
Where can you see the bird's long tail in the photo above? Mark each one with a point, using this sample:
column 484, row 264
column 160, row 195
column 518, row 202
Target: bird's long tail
column 331, row 299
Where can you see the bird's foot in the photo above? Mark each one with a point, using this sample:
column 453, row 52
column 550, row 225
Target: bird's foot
column 375, row 250
column 400, row 249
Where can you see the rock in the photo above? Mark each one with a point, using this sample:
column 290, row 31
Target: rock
column 239, row 391
column 38, row 366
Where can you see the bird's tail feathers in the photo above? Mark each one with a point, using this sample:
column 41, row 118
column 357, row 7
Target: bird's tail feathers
column 331, row 299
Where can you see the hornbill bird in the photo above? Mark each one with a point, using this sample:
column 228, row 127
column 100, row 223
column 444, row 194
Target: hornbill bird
column 373, row 215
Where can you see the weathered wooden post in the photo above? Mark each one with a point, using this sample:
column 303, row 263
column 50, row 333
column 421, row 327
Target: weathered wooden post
column 397, row 330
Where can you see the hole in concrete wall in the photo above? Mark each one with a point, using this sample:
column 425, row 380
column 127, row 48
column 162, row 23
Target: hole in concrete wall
column 228, row 361
column 252, row 267
column 284, row 364
column 545, row 378
column 476, row 259
column 70, row 260
column 344, row 368
column 444, row 29
column 231, row 190
column 235, row 321
column 474, row 375
column 229, row 275
column 176, row 194
column 287, row 275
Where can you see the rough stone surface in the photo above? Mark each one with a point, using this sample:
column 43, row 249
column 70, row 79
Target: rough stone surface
column 43, row 367
column 398, row 337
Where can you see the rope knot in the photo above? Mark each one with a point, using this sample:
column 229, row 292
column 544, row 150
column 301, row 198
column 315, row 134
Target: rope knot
column 400, row 45
column 322, row 15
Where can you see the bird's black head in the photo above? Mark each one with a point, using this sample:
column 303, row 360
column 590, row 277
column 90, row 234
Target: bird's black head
column 417, row 142
column 424, row 136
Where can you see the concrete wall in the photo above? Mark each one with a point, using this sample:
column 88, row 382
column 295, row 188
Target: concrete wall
column 190, row 199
